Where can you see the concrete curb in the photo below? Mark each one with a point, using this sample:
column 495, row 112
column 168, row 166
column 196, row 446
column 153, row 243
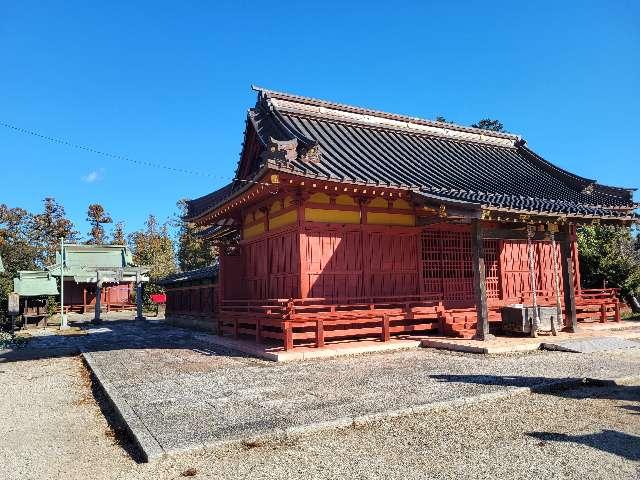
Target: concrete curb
column 151, row 449
column 528, row 346
column 144, row 440
column 329, row 351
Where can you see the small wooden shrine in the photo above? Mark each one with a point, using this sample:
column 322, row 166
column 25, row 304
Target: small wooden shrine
column 98, row 273
column 344, row 222
column 33, row 288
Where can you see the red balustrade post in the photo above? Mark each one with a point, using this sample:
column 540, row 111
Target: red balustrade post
column 258, row 330
column 319, row 332
column 288, row 334
column 386, row 336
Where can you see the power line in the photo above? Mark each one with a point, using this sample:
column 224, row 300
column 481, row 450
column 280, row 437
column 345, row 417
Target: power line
column 121, row 157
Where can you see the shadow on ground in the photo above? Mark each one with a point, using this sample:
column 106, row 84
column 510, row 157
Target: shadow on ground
column 618, row 443
column 611, row 441
column 622, row 392
column 114, row 335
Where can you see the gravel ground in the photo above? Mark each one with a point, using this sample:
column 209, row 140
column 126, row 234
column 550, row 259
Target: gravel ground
column 53, row 427
column 186, row 398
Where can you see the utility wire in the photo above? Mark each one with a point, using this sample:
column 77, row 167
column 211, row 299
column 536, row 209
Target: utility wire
column 121, row 157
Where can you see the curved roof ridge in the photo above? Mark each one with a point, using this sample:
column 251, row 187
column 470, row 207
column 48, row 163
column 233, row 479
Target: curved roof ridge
column 560, row 201
column 266, row 93
column 582, row 181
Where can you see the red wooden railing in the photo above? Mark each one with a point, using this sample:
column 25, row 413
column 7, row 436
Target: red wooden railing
column 318, row 320
column 601, row 303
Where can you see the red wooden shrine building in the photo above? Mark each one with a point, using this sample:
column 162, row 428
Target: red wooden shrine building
column 344, row 222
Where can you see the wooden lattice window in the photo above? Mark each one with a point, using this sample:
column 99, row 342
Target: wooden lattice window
column 492, row 267
column 432, row 263
column 447, row 265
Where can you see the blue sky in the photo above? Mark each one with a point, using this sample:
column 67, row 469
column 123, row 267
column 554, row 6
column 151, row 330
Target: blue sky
column 169, row 83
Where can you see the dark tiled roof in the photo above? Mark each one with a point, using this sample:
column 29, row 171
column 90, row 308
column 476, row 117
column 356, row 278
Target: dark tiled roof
column 191, row 275
column 454, row 162
column 202, row 204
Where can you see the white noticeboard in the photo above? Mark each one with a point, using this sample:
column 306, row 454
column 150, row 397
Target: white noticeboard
column 14, row 304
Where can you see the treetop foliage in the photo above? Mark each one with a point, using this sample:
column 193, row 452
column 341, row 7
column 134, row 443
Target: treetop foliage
column 192, row 251
column 609, row 254
column 97, row 216
column 489, row 124
column 485, row 124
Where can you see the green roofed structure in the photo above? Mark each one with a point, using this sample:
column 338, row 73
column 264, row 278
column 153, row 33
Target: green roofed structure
column 35, row 283
column 96, row 275
column 33, row 288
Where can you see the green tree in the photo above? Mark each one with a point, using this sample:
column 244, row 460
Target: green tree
column 440, row 118
column 17, row 248
column 608, row 253
column 97, row 216
column 47, row 229
column 192, row 251
column 489, row 124
column 118, row 236
column 153, row 247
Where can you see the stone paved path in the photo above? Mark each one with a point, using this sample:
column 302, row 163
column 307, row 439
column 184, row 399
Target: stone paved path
column 189, row 393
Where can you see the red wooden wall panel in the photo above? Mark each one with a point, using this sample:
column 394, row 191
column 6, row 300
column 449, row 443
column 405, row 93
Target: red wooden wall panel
column 515, row 268
column 392, row 268
column 283, row 265
column 360, row 262
column 231, row 277
column 337, row 261
column 333, row 262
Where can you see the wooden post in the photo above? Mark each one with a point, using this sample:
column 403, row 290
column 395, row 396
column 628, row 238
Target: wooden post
column 258, row 330
column 288, row 334
column 220, row 326
column 479, row 282
column 617, row 310
column 236, row 332
column 603, row 313
column 84, row 299
column 386, row 336
column 566, row 251
column 139, row 294
column 108, row 295
column 535, row 320
column 319, row 332
column 96, row 317
column 440, row 313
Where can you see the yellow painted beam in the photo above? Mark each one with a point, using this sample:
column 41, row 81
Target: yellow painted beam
column 284, row 219
column 253, row 231
column 319, row 197
column 404, row 219
column 331, row 216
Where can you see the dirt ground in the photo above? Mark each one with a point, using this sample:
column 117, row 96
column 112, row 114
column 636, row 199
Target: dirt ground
column 54, row 426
